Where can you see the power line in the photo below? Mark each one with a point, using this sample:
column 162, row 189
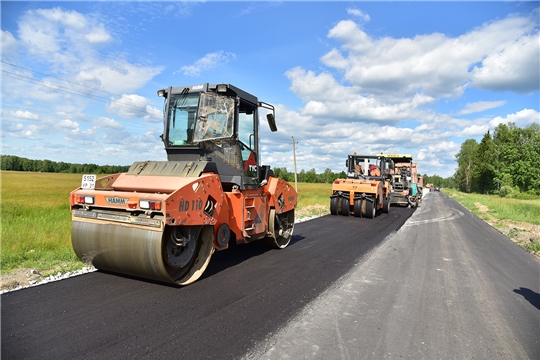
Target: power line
column 71, row 82
column 65, row 89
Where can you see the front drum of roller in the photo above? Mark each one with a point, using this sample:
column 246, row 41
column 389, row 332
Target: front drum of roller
column 143, row 251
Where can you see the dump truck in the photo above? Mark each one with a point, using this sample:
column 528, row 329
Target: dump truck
column 366, row 188
column 163, row 220
column 406, row 186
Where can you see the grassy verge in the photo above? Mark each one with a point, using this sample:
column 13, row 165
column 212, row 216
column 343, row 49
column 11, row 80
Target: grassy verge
column 313, row 200
column 517, row 219
column 36, row 221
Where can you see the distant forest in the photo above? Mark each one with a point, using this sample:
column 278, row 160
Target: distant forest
column 15, row 163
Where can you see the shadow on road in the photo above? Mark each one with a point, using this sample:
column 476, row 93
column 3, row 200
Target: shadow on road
column 237, row 254
column 530, row 296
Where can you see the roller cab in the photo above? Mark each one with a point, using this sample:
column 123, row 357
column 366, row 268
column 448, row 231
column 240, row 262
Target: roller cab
column 162, row 220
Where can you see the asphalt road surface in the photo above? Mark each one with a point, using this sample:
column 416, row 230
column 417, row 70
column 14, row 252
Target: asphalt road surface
column 444, row 285
column 247, row 293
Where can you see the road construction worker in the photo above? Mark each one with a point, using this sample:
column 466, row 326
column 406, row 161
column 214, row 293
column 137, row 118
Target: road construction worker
column 358, row 169
column 374, row 170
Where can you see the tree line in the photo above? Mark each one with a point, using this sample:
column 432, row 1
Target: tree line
column 505, row 163
column 15, row 163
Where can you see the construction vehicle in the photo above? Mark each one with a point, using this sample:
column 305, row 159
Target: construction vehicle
column 366, row 188
column 163, row 220
column 406, row 185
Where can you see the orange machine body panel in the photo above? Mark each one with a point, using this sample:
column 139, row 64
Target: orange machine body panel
column 190, row 201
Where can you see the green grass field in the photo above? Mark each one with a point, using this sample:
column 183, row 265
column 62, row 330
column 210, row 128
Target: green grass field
column 505, row 214
column 500, row 208
column 36, row 221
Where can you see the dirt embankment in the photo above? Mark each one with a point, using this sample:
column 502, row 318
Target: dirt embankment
column 521, row 233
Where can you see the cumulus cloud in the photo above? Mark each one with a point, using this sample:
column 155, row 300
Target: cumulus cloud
column 23, row 114
column 9, row 44
column 326, row 97
column 207, row 62
column 108, row 123
column 502, row 55
column 119, row 76
column 70, row 42
column 98, row 35
column 521, row 118
column 480, row 106
column 20, row 131
column 358, row 13
column 473, row 130
column 516, row 67
column 133, row 107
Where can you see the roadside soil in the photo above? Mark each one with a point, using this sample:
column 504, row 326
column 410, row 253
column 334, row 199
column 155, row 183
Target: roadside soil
column 19, row 277
column 521, row 233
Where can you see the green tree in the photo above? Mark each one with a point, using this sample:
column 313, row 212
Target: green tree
column 466, row 170
column 327, row 176
column 311, row 176
column 486, row 162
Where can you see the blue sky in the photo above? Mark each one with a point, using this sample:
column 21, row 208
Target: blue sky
column 79, row 79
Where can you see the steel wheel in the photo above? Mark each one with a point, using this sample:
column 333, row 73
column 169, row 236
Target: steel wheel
column 281, row 227
column 186, row 252
column 180, row 246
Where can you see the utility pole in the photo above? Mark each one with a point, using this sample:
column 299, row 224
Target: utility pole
column 294, row 157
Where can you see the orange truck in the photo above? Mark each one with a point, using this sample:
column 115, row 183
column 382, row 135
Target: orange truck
column 366, row 188
column 163, row 220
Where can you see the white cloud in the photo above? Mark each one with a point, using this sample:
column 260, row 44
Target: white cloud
column 70, row 19
column 120, row 76
column 521, row 118
column 9, row 44
column 514, row 68
column 473, row 130
column 325, row 97
column 68, row 124
column 207, row 62
column 358, row 13
column 98, row 35
column 21, row 132
column 133, row 107
column 23, row 114
column 108, row 123
column 480, row 106
column 70, row 42
column 435, row 64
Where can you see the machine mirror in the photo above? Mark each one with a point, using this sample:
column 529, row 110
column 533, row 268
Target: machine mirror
column 347, row 163
column 271, row 122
